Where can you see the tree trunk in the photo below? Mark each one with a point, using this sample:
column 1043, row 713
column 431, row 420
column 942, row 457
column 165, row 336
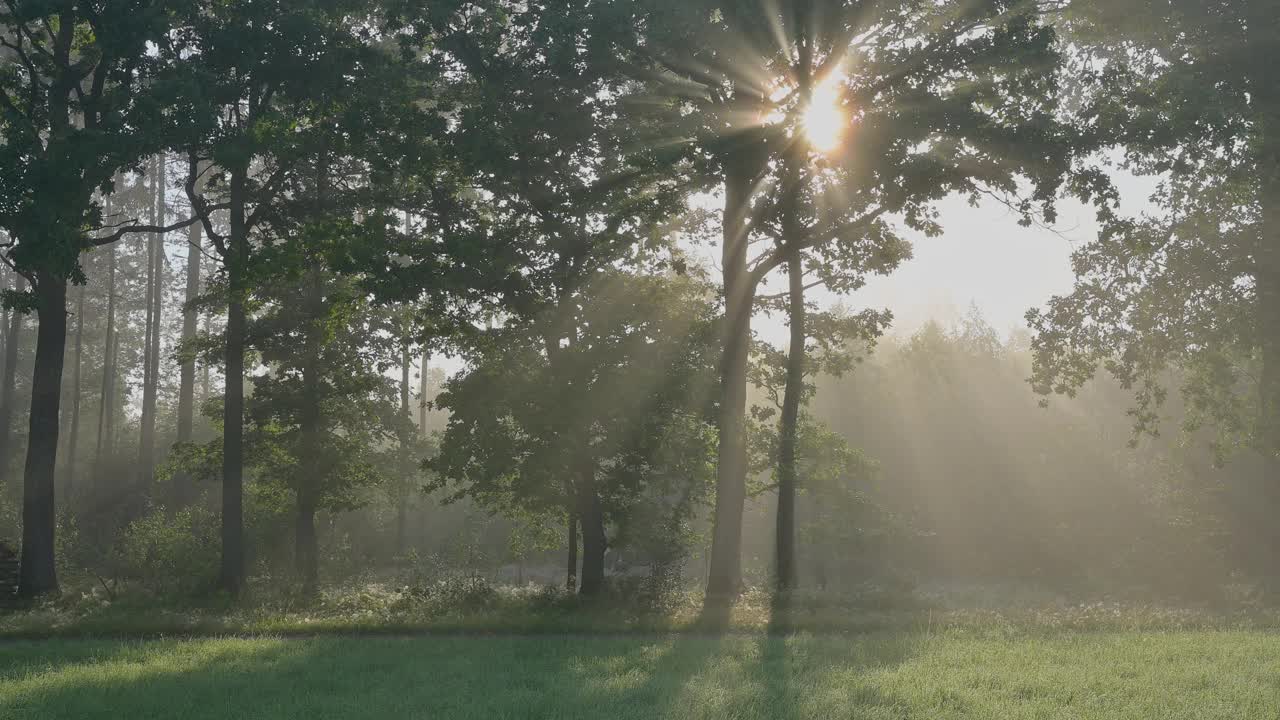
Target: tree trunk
column 571, row 575
column 308, row 484
column 422, row 394
column 151, row 353
column 402, row 489
column 73, row 441
column 307, row 548
column 232, row 573
column 788, row 432
column 107, row 406
column 594, row 542
column 182, row 492
column 8, row 386
column 4, row 318
column 724, row 578
column 204, row 366
column 38, row 574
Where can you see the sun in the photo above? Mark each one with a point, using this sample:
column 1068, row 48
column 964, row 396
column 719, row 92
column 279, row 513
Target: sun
column 823, row 121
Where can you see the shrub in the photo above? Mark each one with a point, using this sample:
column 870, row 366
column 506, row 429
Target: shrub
column 171, row 554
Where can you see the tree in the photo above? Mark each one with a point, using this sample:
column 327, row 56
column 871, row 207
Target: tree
column 267, row 87
column 76, row 106
column 1189, row 95
column 151, row 342
column 542, row 130
column 321, row 409
column 939, row 98
column 181, row 492
column 584, row 429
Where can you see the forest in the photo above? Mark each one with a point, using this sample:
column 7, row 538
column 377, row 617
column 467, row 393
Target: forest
column 545, row 320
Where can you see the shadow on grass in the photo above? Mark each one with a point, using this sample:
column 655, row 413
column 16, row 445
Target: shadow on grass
column 707, row 674
column 715, row 671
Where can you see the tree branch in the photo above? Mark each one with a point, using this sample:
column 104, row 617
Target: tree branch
column 129, row 229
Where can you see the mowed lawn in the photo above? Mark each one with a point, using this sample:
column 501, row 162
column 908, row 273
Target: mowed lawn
column 1161, row 676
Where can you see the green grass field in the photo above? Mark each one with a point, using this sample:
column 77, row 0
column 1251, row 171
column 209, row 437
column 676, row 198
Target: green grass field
column 1126, row 676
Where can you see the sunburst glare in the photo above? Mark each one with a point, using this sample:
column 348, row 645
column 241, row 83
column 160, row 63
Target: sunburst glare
column 823, row 120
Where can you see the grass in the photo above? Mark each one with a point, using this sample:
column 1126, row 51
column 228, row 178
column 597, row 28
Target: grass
column 879, row 675
column 373, row 609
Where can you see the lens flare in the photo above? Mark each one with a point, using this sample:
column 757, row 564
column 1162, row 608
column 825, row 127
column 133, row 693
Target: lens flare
column 823, row 120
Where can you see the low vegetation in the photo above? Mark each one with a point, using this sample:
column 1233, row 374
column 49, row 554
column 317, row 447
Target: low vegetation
column 876, row 676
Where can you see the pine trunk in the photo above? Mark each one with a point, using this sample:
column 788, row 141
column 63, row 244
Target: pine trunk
column 402, row 498
column 38, row 575
column 73, row 441
column 422, row 394
column 107, row 405
column 182, row 492
column 151, row 352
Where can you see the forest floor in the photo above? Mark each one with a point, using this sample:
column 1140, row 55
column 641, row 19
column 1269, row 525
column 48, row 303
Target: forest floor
column 900, row 675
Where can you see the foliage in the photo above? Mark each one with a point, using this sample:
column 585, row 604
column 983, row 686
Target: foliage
column 170, row 553
column 629, row 390
column 1188, row 97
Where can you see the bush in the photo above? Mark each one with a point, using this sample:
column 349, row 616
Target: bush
column 177, row 554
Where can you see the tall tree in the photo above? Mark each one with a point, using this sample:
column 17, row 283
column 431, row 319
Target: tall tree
column 543, row 129
column 110, row 344
column 1187, row 92
column 73, row 442
column 151, row 342
column 322, row 408
column 263, row 96
column 181, row 492
column 938, row 97
column 590, row 429
column 76, row 109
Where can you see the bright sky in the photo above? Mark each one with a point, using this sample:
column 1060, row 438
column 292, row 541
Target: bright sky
column 984, row 258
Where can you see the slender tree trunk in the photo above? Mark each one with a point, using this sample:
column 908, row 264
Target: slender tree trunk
column 788, row 432
column 204, row 366
column 307, row 547
column 107, row 405
column 307, row 550
column 4, row 318
column 38, row 575
column 73, row 442
column 422, row 394
column 116, row 398
column 725, row 575
column 594, row 541
column 232, row 573
column 571, row 574
column 402, row 488
column 151, row 353
column 8, row 386
column 182, row 490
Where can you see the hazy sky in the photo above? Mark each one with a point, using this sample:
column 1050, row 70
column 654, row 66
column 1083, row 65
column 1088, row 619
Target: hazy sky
column 984, row 258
